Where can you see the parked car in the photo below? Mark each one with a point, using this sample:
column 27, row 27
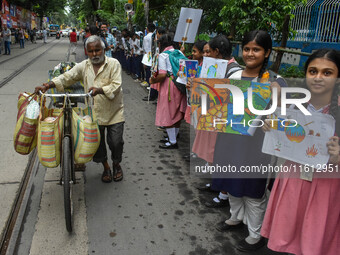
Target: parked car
column 40, row 34
column 64, row 32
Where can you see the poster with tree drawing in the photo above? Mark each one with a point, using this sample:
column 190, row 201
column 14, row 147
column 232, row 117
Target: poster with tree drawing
column 302, row 139
column 219, row 116
column 213, row 68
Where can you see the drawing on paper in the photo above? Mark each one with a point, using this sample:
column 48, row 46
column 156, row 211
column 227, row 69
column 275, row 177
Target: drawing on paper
column 213, row 68
column 220, row 105
column 303, row 141
column 191, row 68
column 312, row 151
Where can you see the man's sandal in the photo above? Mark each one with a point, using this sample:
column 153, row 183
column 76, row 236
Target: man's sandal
column 117, row 173
column 107, row 176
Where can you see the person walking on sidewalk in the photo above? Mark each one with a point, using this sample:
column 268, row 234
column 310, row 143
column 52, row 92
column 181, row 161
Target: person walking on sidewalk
column 102, row 76
column 7, row 40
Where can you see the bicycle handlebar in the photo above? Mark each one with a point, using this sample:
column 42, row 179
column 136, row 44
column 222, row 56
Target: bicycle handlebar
column 67, row 95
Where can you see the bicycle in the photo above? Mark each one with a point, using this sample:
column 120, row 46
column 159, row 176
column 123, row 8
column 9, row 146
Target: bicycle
column 67, row 175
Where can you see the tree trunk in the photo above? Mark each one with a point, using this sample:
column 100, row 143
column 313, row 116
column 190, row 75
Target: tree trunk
column 285, row 33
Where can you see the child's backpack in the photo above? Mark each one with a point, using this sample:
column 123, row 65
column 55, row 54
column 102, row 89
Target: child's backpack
column 174, row 57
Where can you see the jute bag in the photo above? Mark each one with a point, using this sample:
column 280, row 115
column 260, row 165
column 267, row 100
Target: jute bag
column 50, row 135
column 86, row 134
column 25, row 138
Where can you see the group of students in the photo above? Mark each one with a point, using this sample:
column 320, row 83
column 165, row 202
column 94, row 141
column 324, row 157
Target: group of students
column 299, row 216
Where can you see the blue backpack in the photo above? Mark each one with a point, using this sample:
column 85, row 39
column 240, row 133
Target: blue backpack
column 174, row 57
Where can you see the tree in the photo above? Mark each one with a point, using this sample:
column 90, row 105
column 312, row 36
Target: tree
column 240, row 16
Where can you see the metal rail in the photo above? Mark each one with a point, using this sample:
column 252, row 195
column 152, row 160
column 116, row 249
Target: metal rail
column 18, row 71
column 12, row 228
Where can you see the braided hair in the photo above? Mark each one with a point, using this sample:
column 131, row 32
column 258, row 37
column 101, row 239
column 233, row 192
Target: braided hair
column 333, row 56
column 263, row 39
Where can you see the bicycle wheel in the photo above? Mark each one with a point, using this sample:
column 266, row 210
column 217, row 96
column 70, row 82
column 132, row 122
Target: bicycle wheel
column 67, row 181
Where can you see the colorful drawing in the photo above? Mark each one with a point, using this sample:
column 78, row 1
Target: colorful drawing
column 213, row 68
column 191, row 68
column 220, row 117
column 312, row 151
column 295, row 134
column 182, row 69
column 212, row 71
column 305, row 142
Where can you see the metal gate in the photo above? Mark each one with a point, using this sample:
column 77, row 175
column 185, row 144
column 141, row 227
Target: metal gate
column 317, row 21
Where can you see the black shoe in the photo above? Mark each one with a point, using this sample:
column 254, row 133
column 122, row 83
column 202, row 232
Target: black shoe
column 222, row 226
column 205, row 188
column 165, row 140
column 220, row 204
column 149, row 99
column 169, row 146
column 246, row 247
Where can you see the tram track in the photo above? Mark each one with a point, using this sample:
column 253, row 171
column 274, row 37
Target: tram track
column 14, row 222
column 13, row 227
column 20, row 55
column 25, row 66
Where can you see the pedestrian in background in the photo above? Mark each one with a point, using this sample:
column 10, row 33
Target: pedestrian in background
column 7, row 40
column 21, row 36
column 1, row 39
column 34, row 35
column 108, row 37
column 45, row 35
column 73, row 44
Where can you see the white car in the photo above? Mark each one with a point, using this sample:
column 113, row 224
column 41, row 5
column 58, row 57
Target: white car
column 64, row 32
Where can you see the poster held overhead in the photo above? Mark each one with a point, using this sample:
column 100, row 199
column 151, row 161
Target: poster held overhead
column 187, row 26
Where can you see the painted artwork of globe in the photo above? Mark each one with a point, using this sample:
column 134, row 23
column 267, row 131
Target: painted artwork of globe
column 295, row 134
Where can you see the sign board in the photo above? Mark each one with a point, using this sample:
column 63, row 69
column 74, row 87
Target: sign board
column 187, row 26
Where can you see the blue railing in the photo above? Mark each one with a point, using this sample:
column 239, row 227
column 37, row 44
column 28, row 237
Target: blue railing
column 317, row 21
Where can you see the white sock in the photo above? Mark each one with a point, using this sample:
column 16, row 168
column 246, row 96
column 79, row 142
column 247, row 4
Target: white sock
column 177, row 131
column 223, row 196
column 172, row 135
column 252, row 240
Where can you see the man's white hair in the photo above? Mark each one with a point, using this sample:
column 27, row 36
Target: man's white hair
column 94, row 38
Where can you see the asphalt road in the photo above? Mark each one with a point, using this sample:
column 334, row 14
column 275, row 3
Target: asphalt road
column 156, row 209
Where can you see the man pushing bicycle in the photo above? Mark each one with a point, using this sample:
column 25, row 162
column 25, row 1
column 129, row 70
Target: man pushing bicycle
column 102, row 76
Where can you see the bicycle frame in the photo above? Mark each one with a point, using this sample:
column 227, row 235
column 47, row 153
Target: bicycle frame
column 67, row 176
column 67, row 130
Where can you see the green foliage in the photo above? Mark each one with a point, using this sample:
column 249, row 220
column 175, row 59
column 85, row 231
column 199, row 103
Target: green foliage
column 292, row 72
column 203, row 37
column 139, row 17
column 114, row 20
column 241, row 16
